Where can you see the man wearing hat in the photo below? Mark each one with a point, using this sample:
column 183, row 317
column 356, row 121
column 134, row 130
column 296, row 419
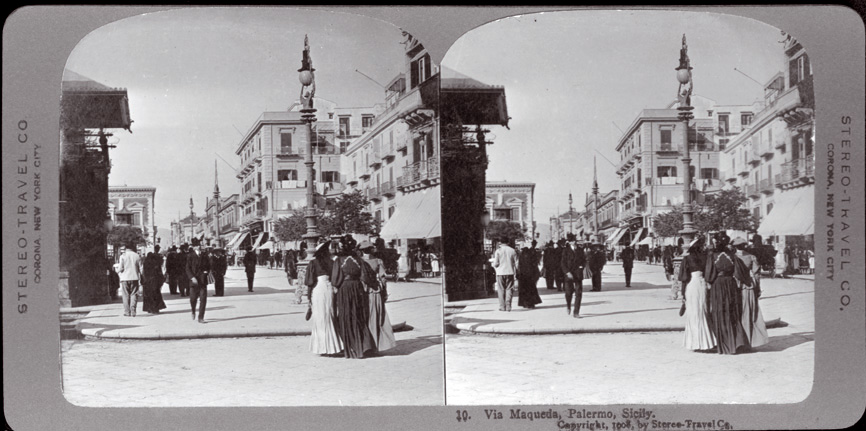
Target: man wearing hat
column 597, row 259
column 219, row 265
column 250, row 261
column 171, row 269
column 505, row 264
column 572, row 263
column 627, row 257
column 182, row 279
column 550, row 262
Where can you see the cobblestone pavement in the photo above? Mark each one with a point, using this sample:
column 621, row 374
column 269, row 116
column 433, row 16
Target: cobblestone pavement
column 649, row 367
column 266, row 371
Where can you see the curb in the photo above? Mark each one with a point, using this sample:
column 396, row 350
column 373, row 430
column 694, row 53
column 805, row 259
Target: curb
column 473, row 328
column 151, row 334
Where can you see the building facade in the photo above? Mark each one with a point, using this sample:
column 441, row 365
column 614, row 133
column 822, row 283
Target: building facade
column 773, row 161
column 133, row 206
column 272, row 173
column 514, row 202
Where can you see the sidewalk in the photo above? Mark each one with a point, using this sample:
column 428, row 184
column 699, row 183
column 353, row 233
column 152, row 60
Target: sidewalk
column 270, row 310
column 645, row 307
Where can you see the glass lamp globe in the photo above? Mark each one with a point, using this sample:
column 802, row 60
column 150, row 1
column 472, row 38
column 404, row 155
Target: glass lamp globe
column 306, row 77
column 683, row 75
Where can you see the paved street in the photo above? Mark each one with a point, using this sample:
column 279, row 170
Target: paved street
column 635, row 367
column 261, row 371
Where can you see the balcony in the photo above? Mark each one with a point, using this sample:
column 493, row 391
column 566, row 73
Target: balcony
column 744, row 172
column 388, row 189
column 364, row 175
column 375, row 159
column 751, row 191
column 796, row 172
column 419, row 174
column 766, row 186
column 668, row 151
column 252, row 217
column 374, row 194
column 754, row 158
column 766, row 151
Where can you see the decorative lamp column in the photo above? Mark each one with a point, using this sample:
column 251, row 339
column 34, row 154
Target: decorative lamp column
column 595, row 201
column 570, row 215
column 216, row 196
column 684, row 99
column 191, row 217
column 308, row 91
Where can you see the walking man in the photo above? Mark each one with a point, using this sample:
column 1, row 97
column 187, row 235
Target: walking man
column 550, row 262
column 171, row 269
column 627, row 257
column 597, row 260
column 572, row 263
column 250, row 261
column 197, row 268
column 219, row 265
column 505, row 264
column 182, row 279
column 130, row 274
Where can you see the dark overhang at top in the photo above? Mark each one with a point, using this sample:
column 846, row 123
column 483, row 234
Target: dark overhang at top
column 468, row 101
column 87, row 104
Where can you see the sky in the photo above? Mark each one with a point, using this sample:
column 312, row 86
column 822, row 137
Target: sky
column 198, row 79
column 574, row 81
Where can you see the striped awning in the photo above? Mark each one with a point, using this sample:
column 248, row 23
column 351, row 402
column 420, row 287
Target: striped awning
column 638, row 236
column 417, row 216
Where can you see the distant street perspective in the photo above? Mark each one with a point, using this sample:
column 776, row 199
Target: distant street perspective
column 253, row 351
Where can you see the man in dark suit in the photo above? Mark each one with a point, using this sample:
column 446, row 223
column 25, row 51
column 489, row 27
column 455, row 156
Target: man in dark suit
column 182, row 278
column 197, row 269
column 550, row 261
column 171, row 269
column 627, row 256
column 572, row 263
column 250, row 260
column 597, row 259
column 219, row 265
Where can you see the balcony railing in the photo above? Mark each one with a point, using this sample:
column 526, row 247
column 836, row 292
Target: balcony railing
column 252, row 216
column 388, row 188
column 796, row 171
column 751, row 190
column 424, row 171
column 766, row 186
column 374, row 194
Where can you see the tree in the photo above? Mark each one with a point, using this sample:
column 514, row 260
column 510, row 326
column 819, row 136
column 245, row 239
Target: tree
column 291, row 228
column 720, row 211
column 127, row 235
column 347, row 216
column 502, row 230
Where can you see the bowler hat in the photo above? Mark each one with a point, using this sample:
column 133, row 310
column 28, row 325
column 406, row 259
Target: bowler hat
column 570, row 237
column 365, row 245
column 738, row 241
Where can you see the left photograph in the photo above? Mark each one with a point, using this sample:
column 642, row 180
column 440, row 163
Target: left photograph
column 250, row 212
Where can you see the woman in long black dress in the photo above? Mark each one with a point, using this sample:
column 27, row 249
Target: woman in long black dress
column 351, row 301
column 527, row 279
column 725, row 299
column 153, row 281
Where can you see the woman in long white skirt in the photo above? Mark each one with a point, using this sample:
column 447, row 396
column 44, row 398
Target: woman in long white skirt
column 698, row 335
column 323, row 338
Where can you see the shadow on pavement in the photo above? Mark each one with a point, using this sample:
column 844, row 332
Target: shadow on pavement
column 785, row 294
column 188, row 310
column 476, row 323
column 780, row 343
column 104, row 328
column 410, row 346
column 628, row 311
column 242, row 291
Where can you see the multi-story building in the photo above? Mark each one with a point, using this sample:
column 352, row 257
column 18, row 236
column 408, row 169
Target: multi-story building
column 608, row 216
column 183, row 230
column 227, row 219
column 651, row 170
column 133, row 206
column 395, row 162
column 272, row 173
column 773, row 161
column 514, row 202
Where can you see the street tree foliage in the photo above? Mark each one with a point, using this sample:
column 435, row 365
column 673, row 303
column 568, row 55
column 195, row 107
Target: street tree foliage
column 127, row 235
column 503, row 230
column 345, row 216
column 720, row 211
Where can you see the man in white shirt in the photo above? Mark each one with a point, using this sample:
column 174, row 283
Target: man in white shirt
column 505, row 264
column 130, row 274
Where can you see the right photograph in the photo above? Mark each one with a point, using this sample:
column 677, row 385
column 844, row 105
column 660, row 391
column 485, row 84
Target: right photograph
column 628, row 210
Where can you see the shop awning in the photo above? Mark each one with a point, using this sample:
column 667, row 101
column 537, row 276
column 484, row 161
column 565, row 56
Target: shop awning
column 417, row 216
column 617, row 235
column 258, row 241
column 793, row 213
column 646, row 241
column 235, row 241
column 638, row 236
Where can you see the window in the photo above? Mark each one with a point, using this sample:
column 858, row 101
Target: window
column 746, row 118
column 666, row 171
column 345, row 130
column 420, row 70
column 330, row 177
column 391, row 211
column 124, row 218
column 366, row 121
column 502, row 214
column 285, row 142
column 344, row 145
column 665, row 139
column 260, row 181
column 723, row 143
column 769, row 208
column 799, row 69
column 709, row 173
column 287, row 175
column 756, row 212
column 724, row 125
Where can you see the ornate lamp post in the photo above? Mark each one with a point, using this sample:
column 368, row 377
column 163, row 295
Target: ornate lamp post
column 684, row 98
column 308, row 91
column 216, row 196
column 570, row 215
column 191, row 217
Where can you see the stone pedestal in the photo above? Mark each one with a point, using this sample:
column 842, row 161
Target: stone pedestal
column 676, row 285
column 301, row 288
